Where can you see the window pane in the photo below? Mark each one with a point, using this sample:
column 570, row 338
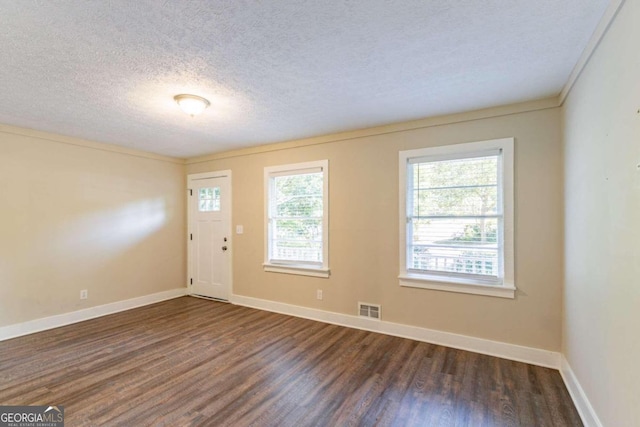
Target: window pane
column 471, row 261
column 462, row 187
column 297, row 240
column 460, row 245
column 209, row 199
column 298, row 229
column 296, row 250
column 471, row 201
column 457, row 172
column 216, row 199
column 308, row 184
column 299, row 206
column 296, row 207
column 298, row 195
column 466, row 232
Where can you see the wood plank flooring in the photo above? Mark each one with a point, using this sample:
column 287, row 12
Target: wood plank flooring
column 193, row 362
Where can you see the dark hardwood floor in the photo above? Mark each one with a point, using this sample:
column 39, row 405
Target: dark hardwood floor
column 188, row 362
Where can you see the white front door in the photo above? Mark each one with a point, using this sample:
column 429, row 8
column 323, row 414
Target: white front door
column 210, row 234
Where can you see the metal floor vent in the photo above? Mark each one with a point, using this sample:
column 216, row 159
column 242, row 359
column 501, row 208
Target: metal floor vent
column 371, row 311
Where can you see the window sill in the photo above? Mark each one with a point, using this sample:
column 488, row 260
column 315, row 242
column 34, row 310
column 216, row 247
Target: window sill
column 455, row 284
column 296, row 269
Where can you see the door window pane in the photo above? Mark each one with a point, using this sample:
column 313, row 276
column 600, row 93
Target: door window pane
column 209, row 199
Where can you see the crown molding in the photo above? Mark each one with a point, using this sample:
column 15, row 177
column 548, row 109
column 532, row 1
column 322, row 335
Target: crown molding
column 504, row 110
column 597, row 36
column 62, row 139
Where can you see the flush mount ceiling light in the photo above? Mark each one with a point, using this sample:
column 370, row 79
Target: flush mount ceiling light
column 191, row 104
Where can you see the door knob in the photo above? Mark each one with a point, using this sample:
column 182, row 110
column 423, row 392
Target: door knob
column 224, row 248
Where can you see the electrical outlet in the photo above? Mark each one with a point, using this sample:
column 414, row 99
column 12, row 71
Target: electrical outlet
column 84, row 294
column 319, row 294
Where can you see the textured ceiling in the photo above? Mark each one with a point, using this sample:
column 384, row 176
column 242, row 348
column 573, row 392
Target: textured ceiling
column 275, row 70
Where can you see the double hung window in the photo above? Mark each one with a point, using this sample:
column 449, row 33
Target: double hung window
column 297, row 219
column 457, row 218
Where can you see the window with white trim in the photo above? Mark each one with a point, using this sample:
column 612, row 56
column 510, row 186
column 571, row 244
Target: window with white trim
column 296, row 214
column 456, row 226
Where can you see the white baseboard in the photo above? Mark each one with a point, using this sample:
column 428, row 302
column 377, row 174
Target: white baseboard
column 37, row 325
column 518, row 353
column 586, row 411
column 514, row 352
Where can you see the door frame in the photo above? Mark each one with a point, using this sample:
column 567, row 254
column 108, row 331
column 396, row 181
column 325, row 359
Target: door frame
column 204, row 175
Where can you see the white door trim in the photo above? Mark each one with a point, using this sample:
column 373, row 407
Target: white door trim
column 204, row 175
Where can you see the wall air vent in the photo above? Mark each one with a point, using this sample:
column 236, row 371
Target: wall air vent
column 372, row 311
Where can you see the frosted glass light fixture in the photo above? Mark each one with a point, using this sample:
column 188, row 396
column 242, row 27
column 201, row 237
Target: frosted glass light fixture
column 191, row 104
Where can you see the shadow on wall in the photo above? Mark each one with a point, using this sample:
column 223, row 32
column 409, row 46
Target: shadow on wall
column 106, row 250
column 121, row 227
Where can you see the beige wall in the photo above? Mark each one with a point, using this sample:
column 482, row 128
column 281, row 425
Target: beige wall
column 602, row 216
column 73, row 217
column 363, row 232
